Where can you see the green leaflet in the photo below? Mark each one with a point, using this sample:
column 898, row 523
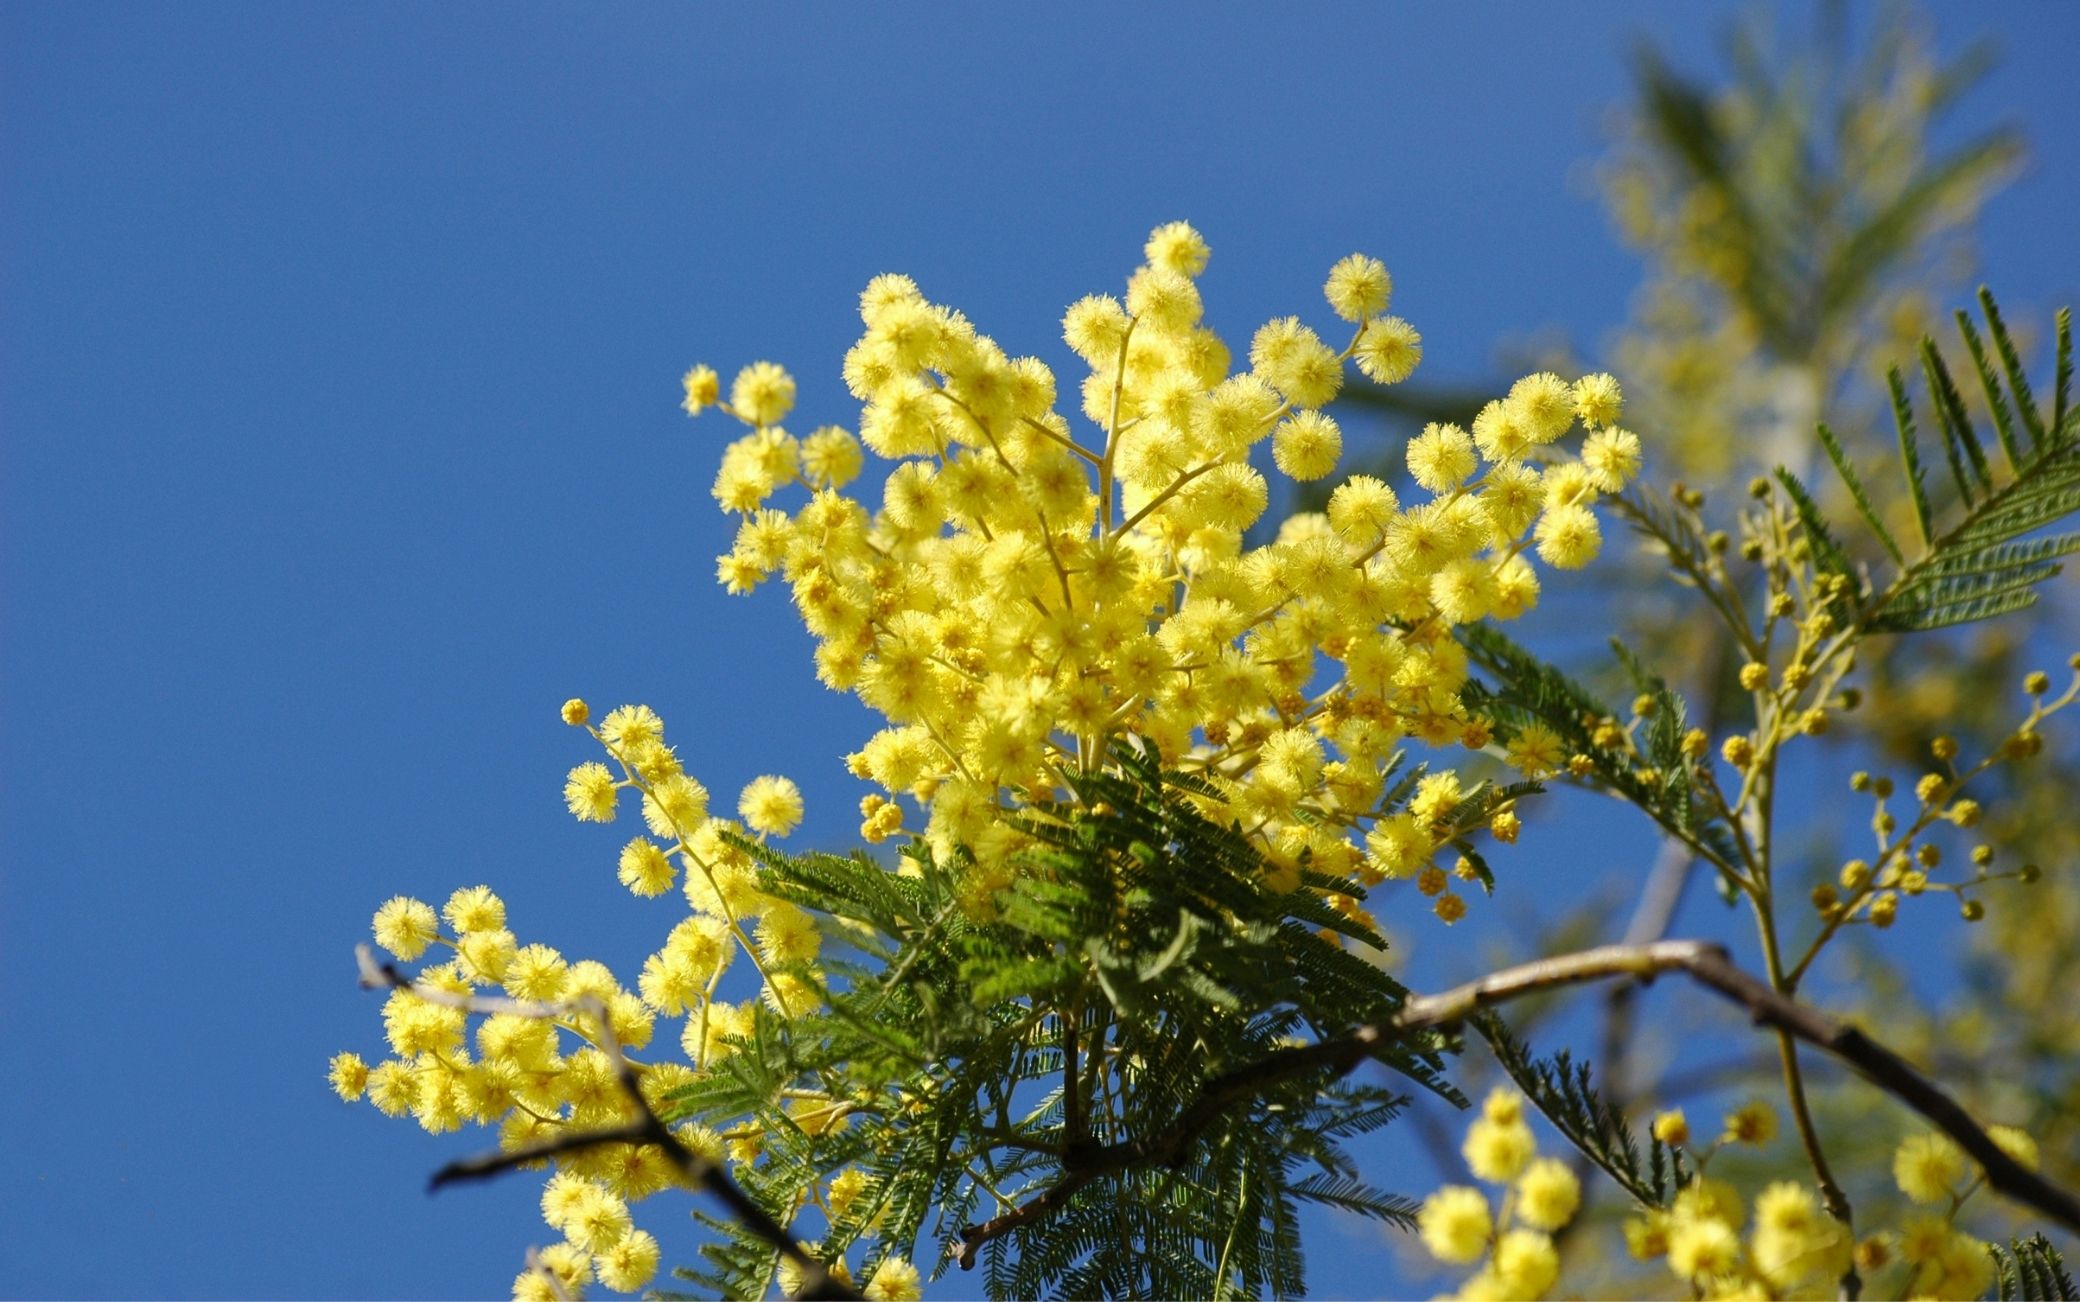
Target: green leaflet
column 2032, row 1269
column 1984, row 564
column 1561, row 1089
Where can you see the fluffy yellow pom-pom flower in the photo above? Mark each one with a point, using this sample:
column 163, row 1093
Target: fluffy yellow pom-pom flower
column 630, row 1263
column 1175, row 246
column 1753, row 1122
column 405, row 926
column 1568, row 537
column 1613, row 457
column 1307, row 445
column 589, row 793
column 1526, row 1263
column 1702, row 1247
column 1598, row 400
column 598, row 1219
column 770, row 805
column 1455, row 1224
column 1441, row 458
column 1548, row 1193
column 762, row 394
column 474, row 908
column 1928, row 1168
column 1388, row 350
column 703, row 389
column 894, row 1280
column 631, row 726
column 1358, row 287
column 349, row 1075
column 645, row 868
column 1498, row 1150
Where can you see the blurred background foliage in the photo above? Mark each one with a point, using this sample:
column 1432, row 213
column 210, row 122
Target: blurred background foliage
column 1804, row 215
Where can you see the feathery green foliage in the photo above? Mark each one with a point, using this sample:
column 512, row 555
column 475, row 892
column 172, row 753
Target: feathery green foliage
column 2031, row 1268
column 1560, row 1088
column 1527, row 689
column 1984, row 562
column 1799, row 289
column 1052, row 1044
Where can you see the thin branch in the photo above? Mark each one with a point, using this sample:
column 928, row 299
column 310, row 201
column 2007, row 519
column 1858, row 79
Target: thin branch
column 385, row 976
column 1706, row 963
column 698, row 1172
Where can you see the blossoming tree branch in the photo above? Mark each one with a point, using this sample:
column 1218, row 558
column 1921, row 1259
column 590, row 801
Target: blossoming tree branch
column 1155, row 772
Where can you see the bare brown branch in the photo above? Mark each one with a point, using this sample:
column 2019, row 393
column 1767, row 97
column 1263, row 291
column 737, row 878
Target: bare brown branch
column 1706, row 963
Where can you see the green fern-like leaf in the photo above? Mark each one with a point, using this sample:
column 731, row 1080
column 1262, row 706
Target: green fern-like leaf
column 1828, row 555
column 1356, row 1196
column 2032, row 1269
column 1529, row 689
column 1561, row 1089
column 1984, row 563
column 1849, row 476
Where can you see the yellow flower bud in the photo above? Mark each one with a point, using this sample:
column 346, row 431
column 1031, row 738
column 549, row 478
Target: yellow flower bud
column 576, row 712
column 1754, row 1122
column 703, row 389
column 1672, row 1128
column 1873, row 1254
column 1884, row 910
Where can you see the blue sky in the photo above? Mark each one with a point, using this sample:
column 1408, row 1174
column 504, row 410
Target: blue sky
column 338, row 445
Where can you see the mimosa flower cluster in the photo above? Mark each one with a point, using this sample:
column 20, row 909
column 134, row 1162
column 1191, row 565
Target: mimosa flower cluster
column 1021, row 599
column 1514, row 1242
column 1786, row 1246
column 1031, row 588
column 542, row 1071
column 1793, row 1248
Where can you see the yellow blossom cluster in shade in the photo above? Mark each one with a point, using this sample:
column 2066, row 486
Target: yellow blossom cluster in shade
column 541, row 1068
column 1517, row 1260
column 1794, row 1248
column 1033, row 587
